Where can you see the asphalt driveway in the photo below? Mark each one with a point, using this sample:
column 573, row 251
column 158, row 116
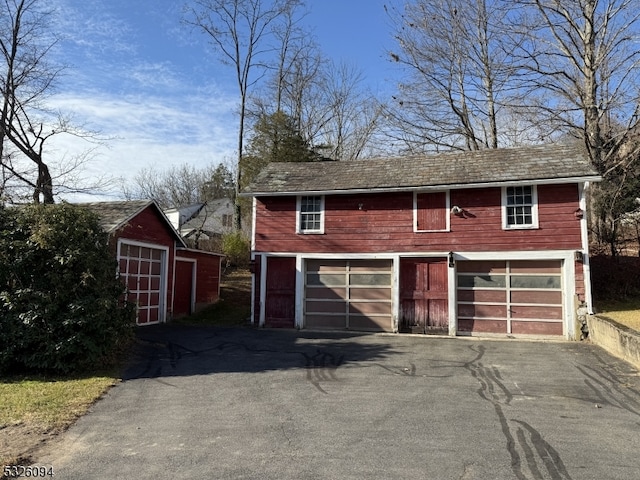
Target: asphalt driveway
column 214, row 403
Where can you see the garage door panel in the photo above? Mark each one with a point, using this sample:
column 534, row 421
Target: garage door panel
column 154, row 315
column 381, row 308
column 326, row 293
column 482, row 311
column 369, row 293
column 487, row 296
column 325, row 279
column 540, row 296
column 337, row 306
column 369, row 323
column 536, row 328
column 486, row 267
column 482, row 326
column 482, row 280
column 316, row 320
column 325, row 265
column 356, row 266
column 540, row 312
column 534, row 266
column 438, row 313
column 537, row 281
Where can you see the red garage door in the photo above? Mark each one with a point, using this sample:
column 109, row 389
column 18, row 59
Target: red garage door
column 183, row 287
column 143, row 270
column 280, row 308
column 510, row 297
column 424, row 295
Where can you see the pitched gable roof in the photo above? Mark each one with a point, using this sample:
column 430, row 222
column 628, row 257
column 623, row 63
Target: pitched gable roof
column 115, row 215
column 537, row 164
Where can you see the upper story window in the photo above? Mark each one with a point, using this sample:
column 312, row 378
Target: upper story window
column 520, row 207
column 431, row 212
column 310, row 217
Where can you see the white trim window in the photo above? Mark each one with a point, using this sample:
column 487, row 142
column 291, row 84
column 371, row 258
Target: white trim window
column 519, row 207
column 310, row 214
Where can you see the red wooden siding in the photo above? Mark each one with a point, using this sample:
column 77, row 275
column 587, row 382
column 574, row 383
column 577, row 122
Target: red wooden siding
column 423, row 295
column 207, row 276
column 385, row 224
column 280, row 293
column 431, row 211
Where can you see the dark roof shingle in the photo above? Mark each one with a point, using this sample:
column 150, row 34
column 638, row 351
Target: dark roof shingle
column 537, row 163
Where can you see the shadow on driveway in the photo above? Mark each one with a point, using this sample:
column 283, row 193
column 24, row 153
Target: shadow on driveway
column 176, row 350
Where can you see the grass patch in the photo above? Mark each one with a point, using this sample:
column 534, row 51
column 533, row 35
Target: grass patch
column 625, row 312
column 234, row 306
column 33, row 408
column 49, row 403
column 221, row 314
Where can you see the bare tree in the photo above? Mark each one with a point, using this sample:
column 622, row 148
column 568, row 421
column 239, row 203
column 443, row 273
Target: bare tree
column 350, row 117
column 181, row 185
column 457, row 74
column 582, row 75
column 241, row 30
column 582, row 60
column 27, row 77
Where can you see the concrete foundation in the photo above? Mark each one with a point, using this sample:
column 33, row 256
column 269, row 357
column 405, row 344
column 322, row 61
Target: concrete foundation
column 616, row 339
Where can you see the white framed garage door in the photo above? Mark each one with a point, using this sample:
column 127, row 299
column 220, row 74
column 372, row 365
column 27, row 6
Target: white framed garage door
column 143, row 269
column 510, row 297
column 348, row 294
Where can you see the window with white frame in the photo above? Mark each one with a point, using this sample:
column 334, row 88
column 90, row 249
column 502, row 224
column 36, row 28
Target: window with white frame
column 310, row 214
column 520, row 207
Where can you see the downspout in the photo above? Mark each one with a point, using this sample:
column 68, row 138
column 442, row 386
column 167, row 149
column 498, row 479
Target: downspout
column 586, row 267
column 173, row 284
column 253, row 260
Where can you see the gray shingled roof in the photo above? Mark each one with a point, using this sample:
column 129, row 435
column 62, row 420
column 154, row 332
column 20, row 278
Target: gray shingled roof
column 459, row 169
column 114, row 215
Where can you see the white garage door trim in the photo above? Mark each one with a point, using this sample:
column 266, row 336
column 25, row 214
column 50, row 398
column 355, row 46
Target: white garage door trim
column 152, row 278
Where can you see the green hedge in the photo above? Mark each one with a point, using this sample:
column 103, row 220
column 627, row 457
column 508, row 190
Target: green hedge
column 61, row 303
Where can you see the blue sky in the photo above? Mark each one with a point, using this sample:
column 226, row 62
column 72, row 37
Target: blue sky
column 157, row 92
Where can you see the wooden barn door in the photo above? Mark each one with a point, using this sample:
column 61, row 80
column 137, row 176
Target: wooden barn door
column 424, row 295
column 280, row 292
column 183, row 290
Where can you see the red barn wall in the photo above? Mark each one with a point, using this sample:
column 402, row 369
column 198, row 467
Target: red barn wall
column 385, row 224
column 207, row 276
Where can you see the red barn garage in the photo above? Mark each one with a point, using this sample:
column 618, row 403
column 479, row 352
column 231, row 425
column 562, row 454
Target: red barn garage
column 163, row 278
column 492, row 242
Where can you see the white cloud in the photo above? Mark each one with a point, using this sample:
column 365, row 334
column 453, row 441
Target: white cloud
column 147, row 131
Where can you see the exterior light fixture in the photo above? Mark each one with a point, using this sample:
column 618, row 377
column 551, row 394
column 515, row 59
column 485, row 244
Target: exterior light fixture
column 452, row 261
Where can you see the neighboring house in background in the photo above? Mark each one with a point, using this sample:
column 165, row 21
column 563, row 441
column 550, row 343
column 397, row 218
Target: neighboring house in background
column 203, row 221
column 469, row 243
column 164, row 278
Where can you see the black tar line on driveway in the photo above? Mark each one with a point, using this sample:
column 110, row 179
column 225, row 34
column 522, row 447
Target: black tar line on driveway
column 242, row 403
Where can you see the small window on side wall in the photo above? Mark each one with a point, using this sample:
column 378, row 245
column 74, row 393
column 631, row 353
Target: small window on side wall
column 520, row 207
column 310, row 214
